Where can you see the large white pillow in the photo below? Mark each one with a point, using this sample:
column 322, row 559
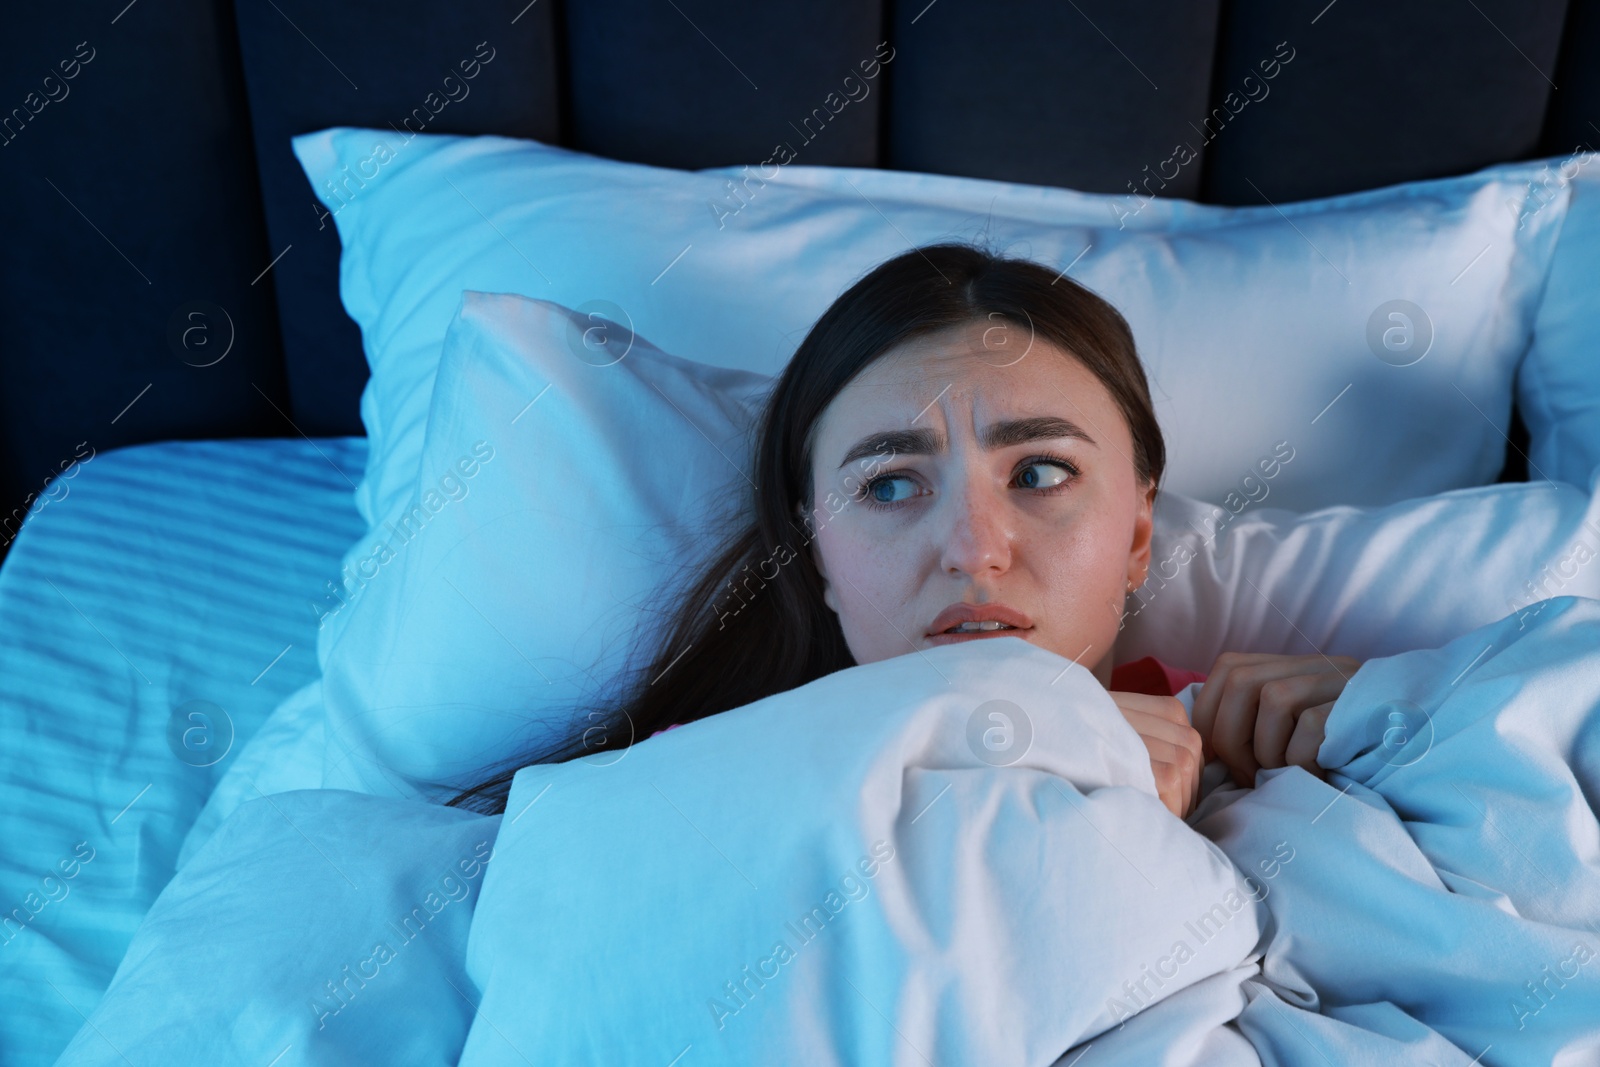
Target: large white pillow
column 1362, row 582
column 1256, row 324
column 1558, row 386
column 567, row 474
column 517, row 594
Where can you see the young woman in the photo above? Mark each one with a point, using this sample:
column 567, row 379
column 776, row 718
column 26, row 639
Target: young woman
column 963, row 447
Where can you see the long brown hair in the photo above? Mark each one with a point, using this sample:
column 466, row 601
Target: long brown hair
column 783, row 635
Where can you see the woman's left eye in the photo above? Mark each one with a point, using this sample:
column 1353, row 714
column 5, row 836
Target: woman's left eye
column 1045, row 473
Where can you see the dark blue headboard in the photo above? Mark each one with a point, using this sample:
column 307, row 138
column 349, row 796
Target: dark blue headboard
column 149, row 187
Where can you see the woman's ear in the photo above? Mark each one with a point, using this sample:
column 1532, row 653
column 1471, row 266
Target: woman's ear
column 1143, row 528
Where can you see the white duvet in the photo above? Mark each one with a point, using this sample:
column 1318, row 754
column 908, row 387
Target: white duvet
column 872, row 869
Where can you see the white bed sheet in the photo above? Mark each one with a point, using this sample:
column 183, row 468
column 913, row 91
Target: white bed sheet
column 165, row 574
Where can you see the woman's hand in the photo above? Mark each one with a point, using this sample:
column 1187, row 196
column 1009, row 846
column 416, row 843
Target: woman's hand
column 1258, row 710
column 1174, row 746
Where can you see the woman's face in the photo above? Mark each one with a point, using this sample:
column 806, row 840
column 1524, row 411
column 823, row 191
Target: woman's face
column 951, row 474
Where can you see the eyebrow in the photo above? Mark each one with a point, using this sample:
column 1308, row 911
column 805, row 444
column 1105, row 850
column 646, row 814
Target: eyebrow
column 925, row 442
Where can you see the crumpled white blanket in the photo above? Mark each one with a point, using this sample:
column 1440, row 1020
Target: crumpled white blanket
column 866, row 869
column 874, row 869
column 1443, row 902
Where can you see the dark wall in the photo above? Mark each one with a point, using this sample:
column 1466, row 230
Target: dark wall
column 129, row 200
column 145, row 197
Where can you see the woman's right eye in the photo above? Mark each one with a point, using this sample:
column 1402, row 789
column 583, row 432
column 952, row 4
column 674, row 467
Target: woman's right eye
column 887, row 490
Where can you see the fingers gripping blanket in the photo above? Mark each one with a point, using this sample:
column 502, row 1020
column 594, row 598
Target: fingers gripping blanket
column 1447, row 875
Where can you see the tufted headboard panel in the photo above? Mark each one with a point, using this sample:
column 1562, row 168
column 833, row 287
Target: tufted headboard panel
column 156, row 180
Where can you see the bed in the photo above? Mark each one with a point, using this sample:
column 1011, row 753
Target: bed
column 178, row 579
column 211, row 463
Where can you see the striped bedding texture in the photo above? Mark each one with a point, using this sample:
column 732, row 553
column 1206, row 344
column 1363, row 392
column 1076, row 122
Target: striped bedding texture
column 151, row 617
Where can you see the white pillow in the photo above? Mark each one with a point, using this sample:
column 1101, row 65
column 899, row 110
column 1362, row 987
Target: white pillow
column 511, row 606
column 559, row 493
column 1362, row 582
column 1558, row 387
column 1256, row 324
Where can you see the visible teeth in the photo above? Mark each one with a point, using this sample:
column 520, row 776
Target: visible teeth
column 979, row 626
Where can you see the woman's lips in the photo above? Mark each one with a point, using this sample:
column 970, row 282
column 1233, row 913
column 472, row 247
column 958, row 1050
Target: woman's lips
column 964, row 612
column 950, row 639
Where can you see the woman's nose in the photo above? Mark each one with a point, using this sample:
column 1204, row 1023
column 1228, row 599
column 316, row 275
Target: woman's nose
column 976, row 537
